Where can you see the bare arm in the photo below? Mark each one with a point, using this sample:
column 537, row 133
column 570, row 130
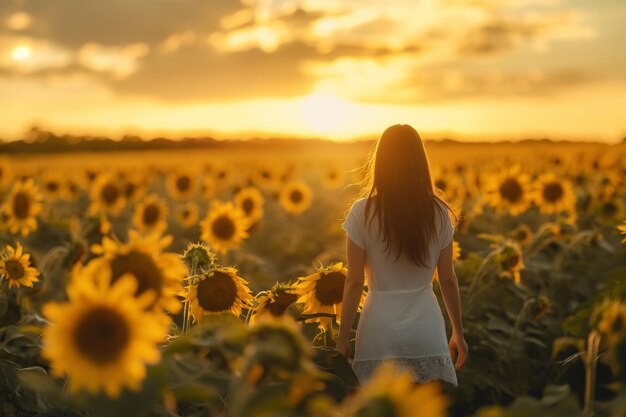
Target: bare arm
column 451, row 298
column 352, row 290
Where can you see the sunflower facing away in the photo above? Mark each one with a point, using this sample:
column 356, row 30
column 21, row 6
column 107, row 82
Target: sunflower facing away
column 217, row 291
column 553, row 195
column 295, row 197
column 250, row 201
column 511, row 261
column 224, row 227
column 322, row 292
column 107, row 195
column 509, row 191
column 151, row 215
column 391, row 393
column 144, row 258
column 22, row 206
column 274, row 302
column 15, row 268
column 103, row 337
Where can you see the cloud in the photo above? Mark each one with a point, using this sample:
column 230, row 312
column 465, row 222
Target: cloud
column 396, row 52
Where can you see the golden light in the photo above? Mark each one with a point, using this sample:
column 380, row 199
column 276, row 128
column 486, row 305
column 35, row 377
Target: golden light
column 323, row 112
column 19, row 21
column 21, row 53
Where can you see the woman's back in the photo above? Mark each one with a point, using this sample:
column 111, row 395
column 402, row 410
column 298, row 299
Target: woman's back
column 383, row 271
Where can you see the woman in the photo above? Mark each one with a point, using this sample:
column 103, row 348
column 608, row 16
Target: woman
column 396, row 235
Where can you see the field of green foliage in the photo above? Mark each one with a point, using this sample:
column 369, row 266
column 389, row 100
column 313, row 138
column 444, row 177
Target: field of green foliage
column 208, row 283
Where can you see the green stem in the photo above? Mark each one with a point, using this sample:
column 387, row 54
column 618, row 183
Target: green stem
column 591, row 362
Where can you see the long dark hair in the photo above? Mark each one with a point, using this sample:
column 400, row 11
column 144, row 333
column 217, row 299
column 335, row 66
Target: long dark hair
column 401, row 195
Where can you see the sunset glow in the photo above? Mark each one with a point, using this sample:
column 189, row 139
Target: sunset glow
column 340, row 70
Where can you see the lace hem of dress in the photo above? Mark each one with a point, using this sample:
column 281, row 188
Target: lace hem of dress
column 424, row 369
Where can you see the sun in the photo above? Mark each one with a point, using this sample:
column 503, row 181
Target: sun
column 323, row 112
column 21, row 53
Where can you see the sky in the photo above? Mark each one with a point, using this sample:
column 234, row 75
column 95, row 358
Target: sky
column 338, row 69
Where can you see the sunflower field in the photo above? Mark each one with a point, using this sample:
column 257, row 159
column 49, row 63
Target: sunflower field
column 209, row 283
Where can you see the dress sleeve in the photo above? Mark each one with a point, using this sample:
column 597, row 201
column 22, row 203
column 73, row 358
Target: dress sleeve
column 354, row 226
column 447, row 231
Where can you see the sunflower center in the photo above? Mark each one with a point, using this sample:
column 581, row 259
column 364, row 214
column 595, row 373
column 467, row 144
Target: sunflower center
column 329, row 288
column 296, row 196
column 332, row 175
column 151, row 214
column 552, row 192
column 513, row 261
column 102, row 335
column 52, row 186
column 282, row 300
column 110, row 194
column 21, row 205
column 618, row 324
column 129, row 189
column 247, row 205
column 223, row 227
column 609, row 208
column 186, row 213
column 441, row 184
column 183, row 183
column 511, row 190
column 14, row 269
column 217, row 293
column 144, row 269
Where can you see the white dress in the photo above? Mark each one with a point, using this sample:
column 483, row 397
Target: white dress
column 401, row 318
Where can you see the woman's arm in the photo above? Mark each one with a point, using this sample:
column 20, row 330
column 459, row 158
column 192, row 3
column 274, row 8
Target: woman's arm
column 352, row 290
column 452, row 300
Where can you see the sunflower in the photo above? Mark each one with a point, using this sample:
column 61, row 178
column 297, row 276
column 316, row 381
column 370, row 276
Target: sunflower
column 187, row 215
column 622, row 230
column 209, row 187
column 156, row 271
column 103, row 337
column 182, row 185
column 333, row 178
column 224, row 227
column 265, row 176
column 107, row 195
column 613, row 321
column 511, row 260
column 250, row 201
column 274, row 302
column 322, row 292
column 133, row 186
column 295, row 197
column 509, row 191
column 447, row 183
column 522, row 234
column 52, row 186
column 391, row 392
column 21, row 207
column 198, row 255
column 217, row 291
column 73, row 188
column 151, row 215
column 553, row 195
column 15, row 268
